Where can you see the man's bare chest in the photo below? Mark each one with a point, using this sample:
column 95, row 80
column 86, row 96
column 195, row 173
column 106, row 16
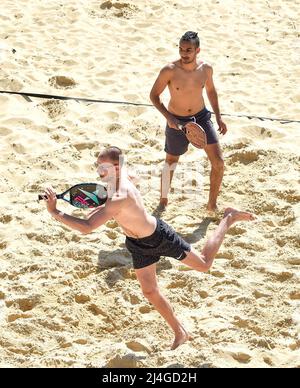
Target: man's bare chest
column 188, row 81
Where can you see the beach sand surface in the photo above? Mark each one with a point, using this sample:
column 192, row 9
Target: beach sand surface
column 71, row 300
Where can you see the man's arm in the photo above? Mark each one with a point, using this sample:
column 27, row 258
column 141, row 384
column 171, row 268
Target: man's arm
column 159, row 86
column 94, row 220
column 213, row 99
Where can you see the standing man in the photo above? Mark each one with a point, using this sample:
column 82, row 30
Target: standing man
column 186, row 78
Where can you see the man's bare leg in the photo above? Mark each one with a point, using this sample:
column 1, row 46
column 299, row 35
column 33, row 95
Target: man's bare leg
column 166, row 179
column 148, row 281
column 202, row 262
column 215, row 157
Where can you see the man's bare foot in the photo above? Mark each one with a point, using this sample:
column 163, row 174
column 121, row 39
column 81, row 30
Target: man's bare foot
column 212, row 207
column 180, row 339
column 163, row 203
column 235, row 215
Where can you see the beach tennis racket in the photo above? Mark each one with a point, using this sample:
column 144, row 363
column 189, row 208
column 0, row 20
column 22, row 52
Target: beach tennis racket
column 194, row 133
column 83, row 195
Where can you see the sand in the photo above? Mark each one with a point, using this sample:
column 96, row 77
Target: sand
column 71, row 300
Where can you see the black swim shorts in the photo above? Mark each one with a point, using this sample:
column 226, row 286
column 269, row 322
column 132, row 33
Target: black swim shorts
column 176, row 141
column 163, row 242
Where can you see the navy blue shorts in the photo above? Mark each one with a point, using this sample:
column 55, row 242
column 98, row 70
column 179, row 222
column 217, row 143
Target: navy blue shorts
column 176, row 141
column 163, row 242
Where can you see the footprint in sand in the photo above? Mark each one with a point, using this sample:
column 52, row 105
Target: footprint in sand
column 243, row 157
column 11, row 84
column 5, row 219
column 290, row 196
column 241, row 357
column 14, row 316
column 145, row 309
column 239, row 264
column 5, row 131
column 54, row 108
column 132, row 298
column 62, row 82
column 24, row 304
column 295, row 295
column 85, row 146
column 80, row 255
column 112, row 224
column 119, row 9
column 112, row 235
column 258, row 295
column 247, row 324
column 294, row 260
column 283, row 276
column 236, row 231
column 217, row 274
column 238, row 353
column 123, row 361
column 114, row 127
column 96, row 310
column 82, row 298
column 3, row 245
column 39, row 237
column 138, row 346
column 112, row 115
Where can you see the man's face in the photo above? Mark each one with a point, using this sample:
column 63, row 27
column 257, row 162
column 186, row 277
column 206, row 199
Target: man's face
column 107, row 169
column 188, row 52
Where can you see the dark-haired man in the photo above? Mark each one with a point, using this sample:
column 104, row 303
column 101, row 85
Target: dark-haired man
column 186, row 78
column 147, row 238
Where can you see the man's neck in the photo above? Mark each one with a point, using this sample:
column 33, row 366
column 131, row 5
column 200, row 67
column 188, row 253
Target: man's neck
column 113, row 187
column 189, row 66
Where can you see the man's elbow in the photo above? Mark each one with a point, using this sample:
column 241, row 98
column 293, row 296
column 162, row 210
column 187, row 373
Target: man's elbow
column 86, row 229
column 153, row 97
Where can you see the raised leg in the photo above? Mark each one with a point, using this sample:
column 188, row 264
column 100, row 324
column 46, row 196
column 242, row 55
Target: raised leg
column 203, row 261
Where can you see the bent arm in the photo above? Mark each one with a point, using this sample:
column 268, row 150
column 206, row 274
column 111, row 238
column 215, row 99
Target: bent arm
column 72, row 222
column 212, row 92
column 159, row 86
column 95, row 219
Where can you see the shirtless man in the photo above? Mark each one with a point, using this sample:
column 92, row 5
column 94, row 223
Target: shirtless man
column 147, row 238
column 186, row 78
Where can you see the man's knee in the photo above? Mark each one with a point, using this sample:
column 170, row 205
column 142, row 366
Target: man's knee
column 218, row 163
column 172, row 160
column 199, row 262
column 150, row 292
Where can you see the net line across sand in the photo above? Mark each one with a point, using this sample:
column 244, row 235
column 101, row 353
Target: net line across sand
column 81, row 99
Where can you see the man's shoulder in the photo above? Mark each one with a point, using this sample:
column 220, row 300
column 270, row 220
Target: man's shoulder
column 206, row 66
column 169, row 67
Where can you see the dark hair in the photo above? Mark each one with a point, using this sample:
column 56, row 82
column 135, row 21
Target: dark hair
column 114, row 154
column 191, row 36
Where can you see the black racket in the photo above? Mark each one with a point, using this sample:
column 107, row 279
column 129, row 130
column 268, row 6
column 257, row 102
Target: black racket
column 83, row 195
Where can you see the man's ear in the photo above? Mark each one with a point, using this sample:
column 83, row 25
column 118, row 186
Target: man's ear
column 198, row 50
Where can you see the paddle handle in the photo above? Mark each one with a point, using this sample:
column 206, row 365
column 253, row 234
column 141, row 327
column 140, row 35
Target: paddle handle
column 182, row 127
column 42, row 197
